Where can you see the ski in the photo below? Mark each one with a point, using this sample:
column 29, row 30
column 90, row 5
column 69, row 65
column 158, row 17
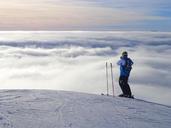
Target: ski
column 107, row 81
column 125, row 96
column 111, row 66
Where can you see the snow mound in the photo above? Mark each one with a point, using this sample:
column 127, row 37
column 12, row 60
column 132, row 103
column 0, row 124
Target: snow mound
column 60, row 109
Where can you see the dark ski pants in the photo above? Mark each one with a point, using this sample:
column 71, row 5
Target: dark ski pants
column 123, row 82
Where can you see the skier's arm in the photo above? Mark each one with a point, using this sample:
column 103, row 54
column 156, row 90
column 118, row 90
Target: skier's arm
column 121, row 62
column 131, row 62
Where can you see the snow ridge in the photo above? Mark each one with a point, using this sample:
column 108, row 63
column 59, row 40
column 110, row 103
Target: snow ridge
column 60, row 109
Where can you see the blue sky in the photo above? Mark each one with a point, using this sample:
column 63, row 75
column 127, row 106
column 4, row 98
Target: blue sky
column 150, row 15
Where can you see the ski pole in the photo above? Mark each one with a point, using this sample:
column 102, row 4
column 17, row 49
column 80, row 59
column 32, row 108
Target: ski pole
column 111, row 66
column 107, row 79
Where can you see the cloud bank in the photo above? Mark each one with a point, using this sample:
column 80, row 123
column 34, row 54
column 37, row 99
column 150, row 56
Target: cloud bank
column 75, row 61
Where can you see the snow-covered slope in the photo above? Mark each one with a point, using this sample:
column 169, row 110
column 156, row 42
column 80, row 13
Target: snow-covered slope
column 59, row 109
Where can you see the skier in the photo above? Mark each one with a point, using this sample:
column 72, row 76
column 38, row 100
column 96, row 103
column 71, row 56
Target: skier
column 125, row 64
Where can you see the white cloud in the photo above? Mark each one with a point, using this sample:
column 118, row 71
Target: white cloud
column 76, row 60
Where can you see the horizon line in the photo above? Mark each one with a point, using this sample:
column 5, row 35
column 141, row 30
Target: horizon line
column 83, row 31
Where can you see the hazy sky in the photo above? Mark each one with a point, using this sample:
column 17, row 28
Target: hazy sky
column 85, row 15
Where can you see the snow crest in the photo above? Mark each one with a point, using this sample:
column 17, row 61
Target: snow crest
column 60, row 109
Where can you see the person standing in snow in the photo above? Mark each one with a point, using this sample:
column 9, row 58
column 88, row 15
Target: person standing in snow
column 125, row 64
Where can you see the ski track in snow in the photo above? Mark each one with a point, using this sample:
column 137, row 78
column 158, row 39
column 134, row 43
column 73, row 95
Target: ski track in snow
column 60, row 109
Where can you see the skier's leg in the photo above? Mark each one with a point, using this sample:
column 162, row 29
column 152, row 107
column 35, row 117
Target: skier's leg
column 121, row 83
column 127, row 87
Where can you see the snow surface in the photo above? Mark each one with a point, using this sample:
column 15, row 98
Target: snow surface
column 60, row 109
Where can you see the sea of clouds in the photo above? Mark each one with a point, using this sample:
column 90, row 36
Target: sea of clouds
column 75, row 61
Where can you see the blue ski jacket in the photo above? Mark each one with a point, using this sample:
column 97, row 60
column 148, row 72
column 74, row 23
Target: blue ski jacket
column 124, row 62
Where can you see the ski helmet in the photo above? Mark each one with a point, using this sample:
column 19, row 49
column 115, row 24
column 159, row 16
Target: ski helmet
column 124, row 53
